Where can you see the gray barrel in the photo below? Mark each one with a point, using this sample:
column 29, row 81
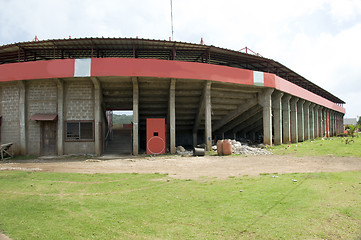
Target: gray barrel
column 198, row 151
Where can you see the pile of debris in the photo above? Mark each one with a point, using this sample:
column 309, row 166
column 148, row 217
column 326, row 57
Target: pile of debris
column 245, row 149
column 182, row 151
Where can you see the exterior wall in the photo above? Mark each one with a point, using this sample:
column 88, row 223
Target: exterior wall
column 79, row 105
column 41, row 97
column 10, row 115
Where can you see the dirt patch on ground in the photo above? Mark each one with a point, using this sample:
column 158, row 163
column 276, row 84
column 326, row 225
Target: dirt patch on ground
column 191, row 167
column 4, row 237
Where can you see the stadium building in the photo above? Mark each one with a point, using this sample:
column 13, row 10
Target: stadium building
column 56, row 96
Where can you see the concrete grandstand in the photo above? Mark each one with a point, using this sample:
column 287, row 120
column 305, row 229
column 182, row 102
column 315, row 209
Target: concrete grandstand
column 55, row 95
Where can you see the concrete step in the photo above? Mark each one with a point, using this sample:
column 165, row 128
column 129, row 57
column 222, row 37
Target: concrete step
column 120, row 143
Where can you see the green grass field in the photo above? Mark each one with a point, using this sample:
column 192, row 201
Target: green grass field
column 335, row 146
column 42, row 205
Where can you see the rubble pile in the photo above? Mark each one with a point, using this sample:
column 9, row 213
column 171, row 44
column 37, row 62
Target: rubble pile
column 245, row 149
column 182, row 151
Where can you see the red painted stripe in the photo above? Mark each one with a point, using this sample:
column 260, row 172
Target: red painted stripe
column 155, row 68
column 37, row 70
column 169, row 69
column 273, row 81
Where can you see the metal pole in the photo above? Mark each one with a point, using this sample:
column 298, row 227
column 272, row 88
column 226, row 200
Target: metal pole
column 171, row 16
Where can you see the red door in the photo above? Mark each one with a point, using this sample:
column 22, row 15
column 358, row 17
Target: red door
column 156, row 140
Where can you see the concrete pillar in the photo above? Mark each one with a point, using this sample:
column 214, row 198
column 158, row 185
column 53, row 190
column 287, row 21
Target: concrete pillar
column 331, row 124
column 195, row 139
column 286, row 119
column 316, row 121
column 312, row 120
column 266, row 102
column 306, row 119
column 335, row 123
column 300, row 120
column 97, row 116
column 172, row 116
column 135, row 116
column 277, row 117
column 208, row 117
column 200, row 113
column 323, row 122
column 60, row 134
column 320, row 121
column 327, row 123
column 294, row 119
column 22, row 116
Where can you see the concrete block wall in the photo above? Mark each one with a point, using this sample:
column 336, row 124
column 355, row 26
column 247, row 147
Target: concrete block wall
column 10, row 115
column 79, row 105
column 79, row 100
column 41, row 97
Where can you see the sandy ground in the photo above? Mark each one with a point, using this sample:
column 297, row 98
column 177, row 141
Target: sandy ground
column 4, row 237
column 190, row 167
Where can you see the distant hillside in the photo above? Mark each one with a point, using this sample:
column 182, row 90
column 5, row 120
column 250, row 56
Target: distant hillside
column 122, row 119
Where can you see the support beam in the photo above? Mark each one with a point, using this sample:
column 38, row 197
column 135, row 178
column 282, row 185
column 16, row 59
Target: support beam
column 266, row 102
column 60, row 101
column 306, row 119
column 172, row 116
column 22, row 116
column 135, row 116
column 251, row 123
column 277, row 117
column 320, row 122
column 327, row 123
column 294, row 119
column 239, row 122
column 231, row 116
column 300, row 120
column 312, row 120
column 316, row 121
column 208, row 117
column 286, row 119
column 97, row 115
column 199, row 115
column 333, row 123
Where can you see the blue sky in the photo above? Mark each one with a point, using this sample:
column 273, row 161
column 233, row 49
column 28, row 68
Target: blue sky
column 318, row 39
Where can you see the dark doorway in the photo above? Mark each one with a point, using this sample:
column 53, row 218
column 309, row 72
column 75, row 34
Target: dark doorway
column 48, row 138
column 119, row 136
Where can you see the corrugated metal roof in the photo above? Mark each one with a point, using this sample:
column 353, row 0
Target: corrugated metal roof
column 159, row 49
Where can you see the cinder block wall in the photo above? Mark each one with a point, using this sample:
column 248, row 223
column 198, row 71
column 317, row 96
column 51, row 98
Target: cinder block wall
column 79, row 105
column 41, row 97
column 10, row 115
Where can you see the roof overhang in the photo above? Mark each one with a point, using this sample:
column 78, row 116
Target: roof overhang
column 44, row 117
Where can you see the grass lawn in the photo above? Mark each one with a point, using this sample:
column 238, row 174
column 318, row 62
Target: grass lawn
column 335, row 146
column 43, row 205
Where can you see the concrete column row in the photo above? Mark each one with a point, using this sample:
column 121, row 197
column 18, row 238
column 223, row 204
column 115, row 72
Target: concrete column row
column 297, row 120
column 289, row 118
